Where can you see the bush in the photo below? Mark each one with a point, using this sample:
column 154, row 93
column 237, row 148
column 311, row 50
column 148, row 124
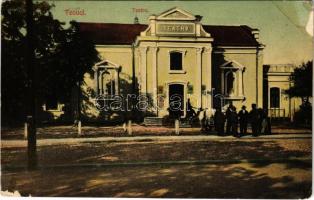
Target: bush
column 304, row 115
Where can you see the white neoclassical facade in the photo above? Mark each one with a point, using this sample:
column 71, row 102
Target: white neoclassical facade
column 174, row 55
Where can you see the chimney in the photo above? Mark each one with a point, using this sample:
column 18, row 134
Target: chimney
column 198, row 18
column 136, row 20
column 255, row 33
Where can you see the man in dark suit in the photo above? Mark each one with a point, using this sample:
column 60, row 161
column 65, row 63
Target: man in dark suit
column 219, row 121
column 233, row 118
column 243, row 120
column 229, row 118
column 254, row 119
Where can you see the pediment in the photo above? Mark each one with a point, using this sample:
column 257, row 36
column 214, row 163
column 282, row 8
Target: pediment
column 106, row 64
column 232, row 65
column 176, row 14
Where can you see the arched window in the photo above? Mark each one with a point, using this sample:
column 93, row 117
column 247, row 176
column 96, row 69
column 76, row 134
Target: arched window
column 232, row 80
column 111, row 87
column 274, row 97
column 106, row 78
column 176, row 61
column 107, row 83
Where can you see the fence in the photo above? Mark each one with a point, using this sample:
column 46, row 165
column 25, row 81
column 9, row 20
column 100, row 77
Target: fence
column 277, row 113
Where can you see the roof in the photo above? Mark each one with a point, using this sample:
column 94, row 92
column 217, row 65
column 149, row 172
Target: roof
column 231, row 35
column 119, row 34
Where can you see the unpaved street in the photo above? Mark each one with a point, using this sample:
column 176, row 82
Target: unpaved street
column 226, row 168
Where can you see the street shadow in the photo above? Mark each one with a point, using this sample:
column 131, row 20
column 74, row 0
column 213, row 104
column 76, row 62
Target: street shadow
column 165, row 181
column 261, row 153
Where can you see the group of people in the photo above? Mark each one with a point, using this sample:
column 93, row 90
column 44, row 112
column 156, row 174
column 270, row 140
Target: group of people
column 257, row 117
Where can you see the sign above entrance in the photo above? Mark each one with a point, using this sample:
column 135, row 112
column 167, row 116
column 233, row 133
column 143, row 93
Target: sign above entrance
column 175, row 23
column 175, row 29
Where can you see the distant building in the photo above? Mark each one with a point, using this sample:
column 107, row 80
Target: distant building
column 276, row 82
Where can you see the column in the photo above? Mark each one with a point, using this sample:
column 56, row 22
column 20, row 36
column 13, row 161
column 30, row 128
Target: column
column 138, row 60
column 208, row 71
column 240, row 89
column 116, row 81
column 199, row 74
column 155, row 76
column 143, row 58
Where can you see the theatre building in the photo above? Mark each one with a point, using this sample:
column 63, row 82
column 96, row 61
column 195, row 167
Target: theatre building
column 174, row 54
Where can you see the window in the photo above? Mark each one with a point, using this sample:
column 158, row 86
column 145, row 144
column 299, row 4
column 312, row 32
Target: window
column 106, row 78
column 110, row 87
column 175, row 61
column 230, row 83
column 274, row 97
column 106, row 83
column 231, row 73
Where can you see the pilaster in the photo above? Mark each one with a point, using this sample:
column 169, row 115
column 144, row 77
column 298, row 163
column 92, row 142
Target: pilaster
column 199, row 74
column 154, row 75
column 240, row 85
column 208, row 72
column 143, row 63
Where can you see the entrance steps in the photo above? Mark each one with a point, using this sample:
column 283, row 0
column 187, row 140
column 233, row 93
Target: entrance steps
column 153, row 121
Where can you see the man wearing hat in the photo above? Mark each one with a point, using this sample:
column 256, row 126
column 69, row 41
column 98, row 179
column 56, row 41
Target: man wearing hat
column 243, row 120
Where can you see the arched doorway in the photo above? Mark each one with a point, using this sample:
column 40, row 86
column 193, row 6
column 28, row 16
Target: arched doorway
column 176, row 100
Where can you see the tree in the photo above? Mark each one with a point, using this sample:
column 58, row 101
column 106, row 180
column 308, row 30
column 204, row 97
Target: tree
column 301, row 80
column 62, row 57
column 79, row 55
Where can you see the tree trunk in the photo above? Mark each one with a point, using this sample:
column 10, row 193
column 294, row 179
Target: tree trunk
column 32, row 88
column 79, row 97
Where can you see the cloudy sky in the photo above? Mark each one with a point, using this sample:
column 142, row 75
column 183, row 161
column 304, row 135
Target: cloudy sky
column 283, row 24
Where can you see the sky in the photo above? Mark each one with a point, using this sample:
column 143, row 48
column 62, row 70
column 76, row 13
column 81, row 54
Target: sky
column 286, row 27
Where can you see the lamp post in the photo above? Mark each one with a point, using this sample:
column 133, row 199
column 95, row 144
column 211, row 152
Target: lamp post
column 212, row 96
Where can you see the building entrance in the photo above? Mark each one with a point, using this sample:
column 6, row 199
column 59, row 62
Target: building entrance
column 176, row 100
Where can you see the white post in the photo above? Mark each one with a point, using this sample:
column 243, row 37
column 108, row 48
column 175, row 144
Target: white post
column 129, row 127
column 79, row 127
column 176, row 126
column 25, row 131
column 124, row 127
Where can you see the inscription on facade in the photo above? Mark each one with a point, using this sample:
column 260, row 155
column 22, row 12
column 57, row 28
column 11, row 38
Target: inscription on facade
column 175, row 28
